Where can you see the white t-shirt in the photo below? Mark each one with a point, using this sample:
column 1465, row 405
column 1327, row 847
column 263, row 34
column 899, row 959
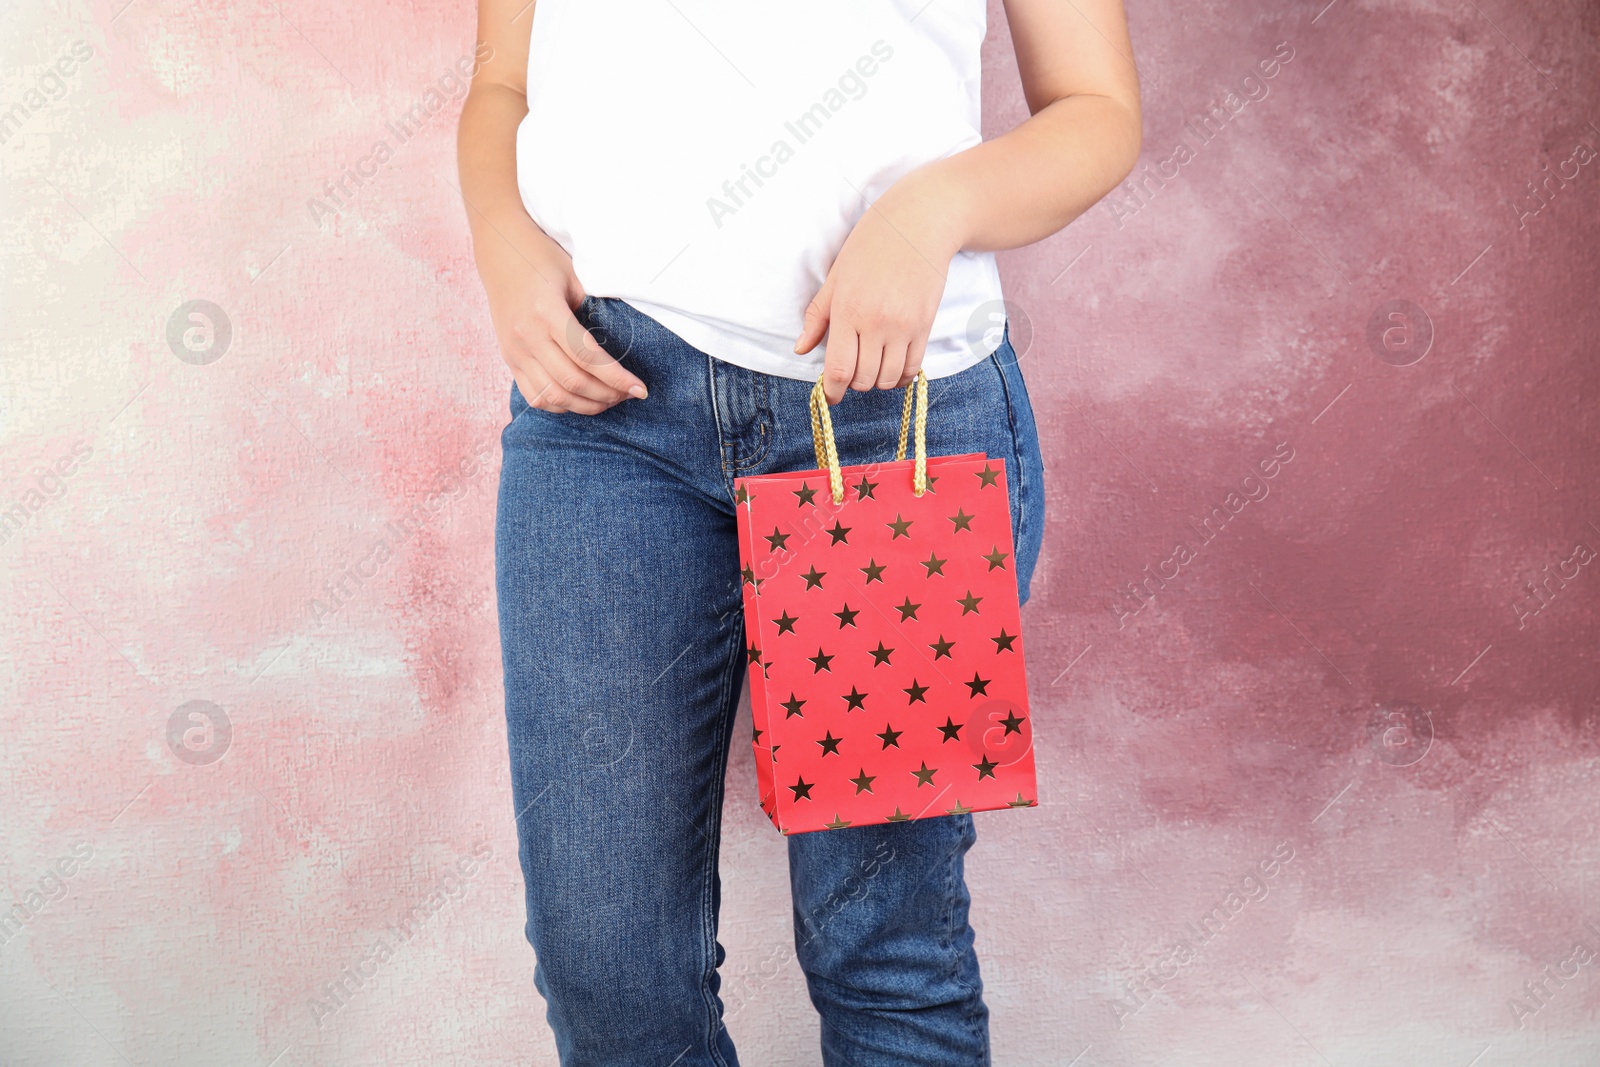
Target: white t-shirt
column 705, row 160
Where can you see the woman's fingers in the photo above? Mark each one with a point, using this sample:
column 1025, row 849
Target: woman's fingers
column 869, row 359
column 839, row 363
column 556, row 362
column 878, row 350
column 914, row 354
column 586, row 354
column 548, row 395
column 816, row 321
column 573, row 377
column 894, row 361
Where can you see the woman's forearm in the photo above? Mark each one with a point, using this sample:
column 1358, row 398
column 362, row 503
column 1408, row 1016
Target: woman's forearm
column 527, row 277
column 1029, row 183
column 486, row 155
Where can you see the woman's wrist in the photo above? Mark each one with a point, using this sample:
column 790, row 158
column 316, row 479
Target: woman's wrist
column 931, row 207
column 510, row 248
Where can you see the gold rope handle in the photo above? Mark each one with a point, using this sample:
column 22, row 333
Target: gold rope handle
column 822, row 441
column 828, row 453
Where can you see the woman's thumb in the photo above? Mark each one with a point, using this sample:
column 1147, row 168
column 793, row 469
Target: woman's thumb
column 816, row 321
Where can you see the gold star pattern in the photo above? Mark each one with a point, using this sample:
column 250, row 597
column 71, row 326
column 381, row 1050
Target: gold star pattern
column 863, row 781
column 786, row 623
column 792, row 706
column 805, row 493
column 854, row 701
column 925, row 774
column 1013, row 723
column 838, row 532
column 864, row 488
column 830, row 744
column 846, row 617
column 802, row 788
column 941, row 648
column 958, row 809
column 890, row 736
column 898, row 816
column 742, row 495
column 880, row 655
column 1003, row 642
column 986, row 768
column 837, row 823
column 908, row 610
column 997, row 558
column 749, row 575
column 1020, row 802
column 951, row 729
column 814, row 577
column 915, row 693
column 935, row 565
column 874, row 571
column 820, row 661
column 753, row 656
column 900, row 526
column 962, row 520
column 969, row 603
column 776, row 539
column 755, row 735
column 988, row 477
column 979, row 686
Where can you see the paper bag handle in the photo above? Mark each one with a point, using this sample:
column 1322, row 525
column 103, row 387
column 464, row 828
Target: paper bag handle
column 828, row 453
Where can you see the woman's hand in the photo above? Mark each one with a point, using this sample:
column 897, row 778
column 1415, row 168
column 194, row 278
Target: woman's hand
column 557, row 364
column 879, row 299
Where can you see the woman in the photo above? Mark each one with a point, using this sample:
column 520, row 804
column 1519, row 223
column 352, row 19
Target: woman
column 683, row 213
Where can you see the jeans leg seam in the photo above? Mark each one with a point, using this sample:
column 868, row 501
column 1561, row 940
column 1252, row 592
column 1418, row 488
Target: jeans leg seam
column 975, row 992
column 713, row 851
column 950, row 922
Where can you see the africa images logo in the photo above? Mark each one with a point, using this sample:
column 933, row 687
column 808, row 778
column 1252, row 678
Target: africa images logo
column 736, row 192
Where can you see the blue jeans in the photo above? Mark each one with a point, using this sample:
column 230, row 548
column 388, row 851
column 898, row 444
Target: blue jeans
column 622, row 636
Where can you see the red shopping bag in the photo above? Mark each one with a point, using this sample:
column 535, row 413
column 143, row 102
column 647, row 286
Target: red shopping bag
column 883, row 636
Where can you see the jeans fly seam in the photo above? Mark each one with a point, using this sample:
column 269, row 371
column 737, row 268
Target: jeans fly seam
column 763, row 419
column 716, row 417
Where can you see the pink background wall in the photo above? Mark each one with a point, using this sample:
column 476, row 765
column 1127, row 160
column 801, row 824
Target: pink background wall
column 1345, row 664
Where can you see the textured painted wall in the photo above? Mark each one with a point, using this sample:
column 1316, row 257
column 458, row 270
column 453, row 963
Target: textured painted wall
column 1313, row 638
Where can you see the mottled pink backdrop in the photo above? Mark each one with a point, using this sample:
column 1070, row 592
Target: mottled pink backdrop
column 1312, row 640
